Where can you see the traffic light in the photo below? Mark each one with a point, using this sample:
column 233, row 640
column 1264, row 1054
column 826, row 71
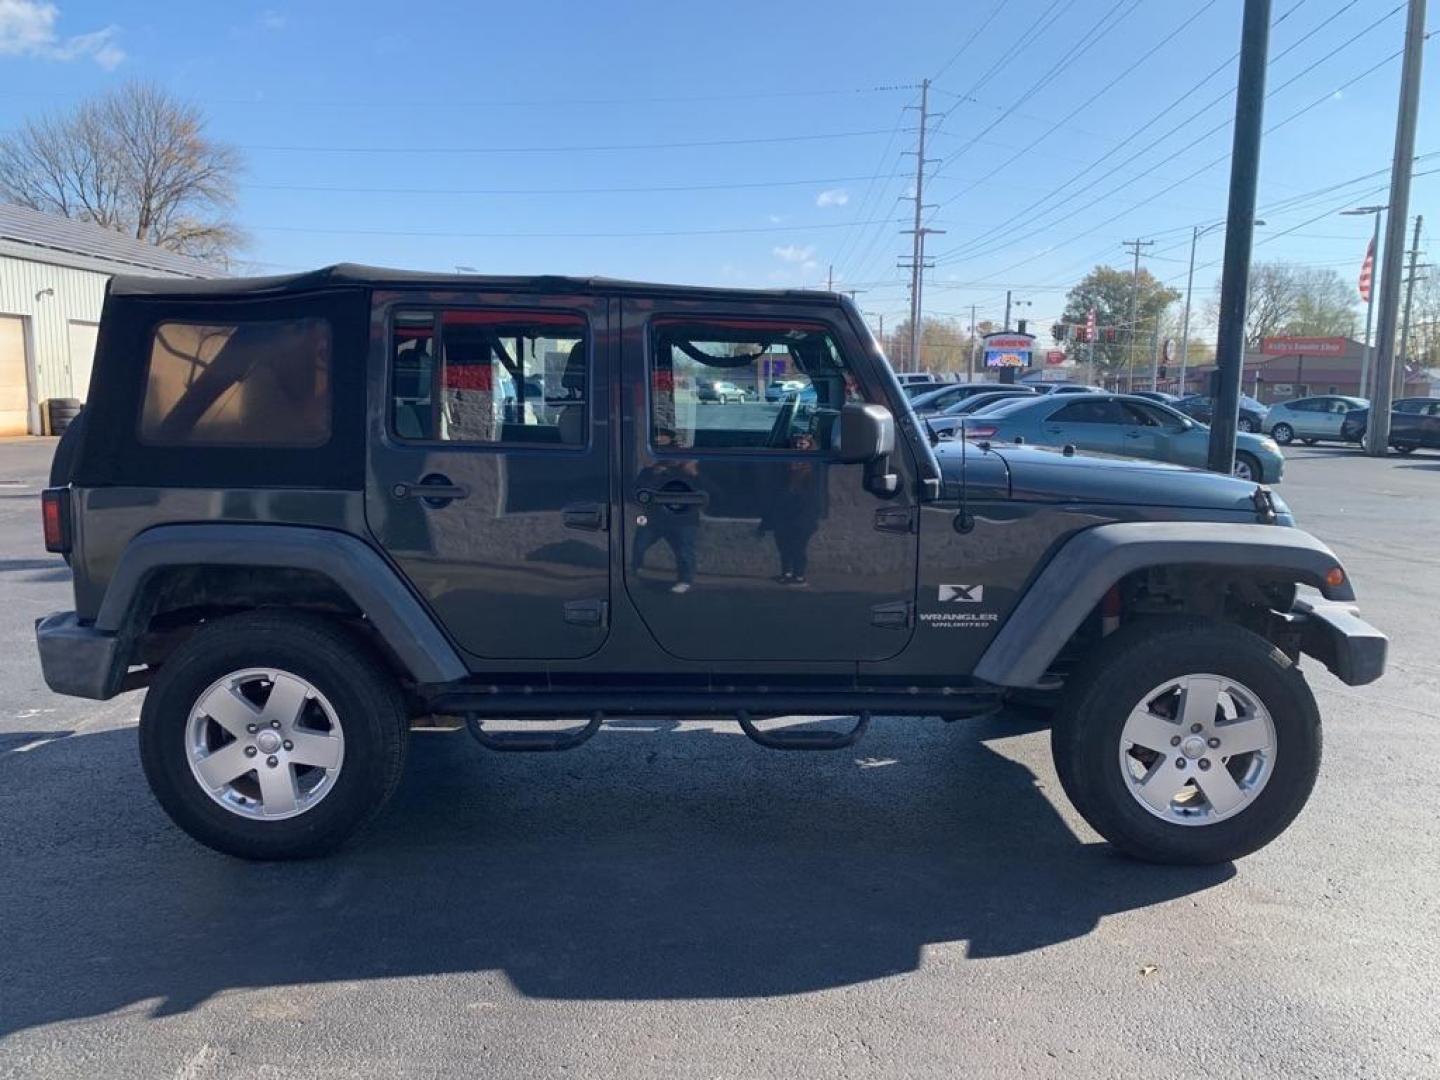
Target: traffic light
column 1082, row 333
column 1060, row 331
column 1111, row 335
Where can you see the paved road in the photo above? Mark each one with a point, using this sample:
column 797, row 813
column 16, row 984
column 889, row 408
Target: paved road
column 671, row 901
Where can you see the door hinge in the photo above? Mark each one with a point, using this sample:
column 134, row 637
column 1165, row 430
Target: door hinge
column 590, row 613
column 896, row 519
column 899, row 615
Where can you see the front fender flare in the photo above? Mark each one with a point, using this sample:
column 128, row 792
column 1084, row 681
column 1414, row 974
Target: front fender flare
column 1079, row 574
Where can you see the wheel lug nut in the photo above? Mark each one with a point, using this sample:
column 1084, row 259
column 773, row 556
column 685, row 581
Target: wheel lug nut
column 1196, row 728
column 289, row 745
column 250, row 751
column 1204, row 763
column 272, row 761
column 1179, row 763
column 1174, row 740
column 251, row 728
column 1212, row 742
column 276, row 724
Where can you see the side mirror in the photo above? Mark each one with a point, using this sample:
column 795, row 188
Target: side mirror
column 867, row 432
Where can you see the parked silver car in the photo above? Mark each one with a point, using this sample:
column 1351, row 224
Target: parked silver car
column 1311, row 419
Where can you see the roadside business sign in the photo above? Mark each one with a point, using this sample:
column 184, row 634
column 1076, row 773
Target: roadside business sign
column 1008, row 349
column 1303, row 346
column 1055, row 356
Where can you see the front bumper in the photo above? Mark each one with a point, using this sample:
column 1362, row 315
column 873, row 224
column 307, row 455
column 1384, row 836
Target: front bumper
column 77, row 659
column 1333, row 632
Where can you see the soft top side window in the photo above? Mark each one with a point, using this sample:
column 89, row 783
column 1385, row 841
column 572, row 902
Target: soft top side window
column 261, row 383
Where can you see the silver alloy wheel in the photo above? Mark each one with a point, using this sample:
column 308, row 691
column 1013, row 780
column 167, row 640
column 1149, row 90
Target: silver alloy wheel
column 264, row 744
column 1197, row 749
column 1242, row 469
column 1244, row 423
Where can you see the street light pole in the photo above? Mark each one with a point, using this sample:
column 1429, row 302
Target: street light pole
column 1376, row 211
column 1195, row 235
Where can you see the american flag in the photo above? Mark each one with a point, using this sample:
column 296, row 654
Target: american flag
column 1367, row 272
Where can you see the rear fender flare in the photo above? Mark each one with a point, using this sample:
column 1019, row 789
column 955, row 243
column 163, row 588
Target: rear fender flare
column 357, row 569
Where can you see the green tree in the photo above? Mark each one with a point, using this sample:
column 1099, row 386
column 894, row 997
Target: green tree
column 1108, row 291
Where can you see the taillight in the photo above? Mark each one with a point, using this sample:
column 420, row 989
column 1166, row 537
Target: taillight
column 980, row 431
column 55, row 514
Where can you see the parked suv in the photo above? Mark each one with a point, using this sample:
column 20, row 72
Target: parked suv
column 302, row 516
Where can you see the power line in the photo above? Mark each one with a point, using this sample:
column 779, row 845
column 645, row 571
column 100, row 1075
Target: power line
column 969, row 41
column 593, row 147
column 619, row 190
column 553, row 235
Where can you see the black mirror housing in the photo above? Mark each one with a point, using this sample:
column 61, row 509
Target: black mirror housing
column 867, row 432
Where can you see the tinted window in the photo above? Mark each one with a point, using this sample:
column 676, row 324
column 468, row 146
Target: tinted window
column 792, row 376
column 1149, row 416
column 471, row 376
column 1410, row 405
column 1090, row 412
column 238, row 384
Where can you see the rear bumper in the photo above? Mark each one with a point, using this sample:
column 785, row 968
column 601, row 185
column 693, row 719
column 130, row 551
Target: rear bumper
column 77, row 659
column 1333, row 632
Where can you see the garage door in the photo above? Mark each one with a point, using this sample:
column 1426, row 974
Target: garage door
column 82, row 357
column 14, row 386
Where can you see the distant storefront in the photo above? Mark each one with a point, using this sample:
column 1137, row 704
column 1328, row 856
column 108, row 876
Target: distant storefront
column 1298, row 369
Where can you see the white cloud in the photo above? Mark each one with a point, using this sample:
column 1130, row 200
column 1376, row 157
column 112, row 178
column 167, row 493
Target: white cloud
column 775, row 219
column 832, row 197
column 270, row 19
column 27, row 28
column 794, row 253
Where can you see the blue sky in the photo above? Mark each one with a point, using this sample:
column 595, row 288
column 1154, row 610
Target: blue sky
column 482, row 135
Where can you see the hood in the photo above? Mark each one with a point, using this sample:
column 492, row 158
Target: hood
column 982, row 471
column 1041, row 474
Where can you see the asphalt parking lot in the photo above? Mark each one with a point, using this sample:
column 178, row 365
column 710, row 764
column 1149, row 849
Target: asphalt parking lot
column 672, row 901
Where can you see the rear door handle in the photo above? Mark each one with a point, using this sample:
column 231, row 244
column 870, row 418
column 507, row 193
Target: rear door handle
column 435, row 489
column 587, row 516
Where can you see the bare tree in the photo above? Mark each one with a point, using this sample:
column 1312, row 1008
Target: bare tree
column 1295, row 300
column 138, row 161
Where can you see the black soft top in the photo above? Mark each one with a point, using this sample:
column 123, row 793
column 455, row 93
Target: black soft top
column 353, row 274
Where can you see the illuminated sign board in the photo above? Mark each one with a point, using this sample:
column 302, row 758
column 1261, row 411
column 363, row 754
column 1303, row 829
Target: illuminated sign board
column 1009, row 350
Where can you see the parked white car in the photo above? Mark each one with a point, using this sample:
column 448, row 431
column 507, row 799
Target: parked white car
column 1311, row 419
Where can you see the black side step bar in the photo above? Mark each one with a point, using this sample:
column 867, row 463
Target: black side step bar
column 803, row 740
column 532, row 741
column 950, row 704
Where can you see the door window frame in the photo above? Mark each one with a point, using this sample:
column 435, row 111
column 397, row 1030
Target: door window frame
column 425, row 302
column 651, row 321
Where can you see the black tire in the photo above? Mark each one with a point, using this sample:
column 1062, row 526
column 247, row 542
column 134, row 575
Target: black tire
column 1404, row 448
column 1284, row 434
column 1244, row 423
column 1252, row 463
column 366, row 698
column 1309, row 442
column 1085, row 740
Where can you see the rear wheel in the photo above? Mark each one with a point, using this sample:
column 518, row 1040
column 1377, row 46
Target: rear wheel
column 272, row 736
column 1185, row 740
column 1284, row 434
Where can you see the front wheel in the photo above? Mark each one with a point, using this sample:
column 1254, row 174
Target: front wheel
column 1186, row 740
column 272, row 736
column 1284, row 434
column 1247, row 467
column 1245, row 424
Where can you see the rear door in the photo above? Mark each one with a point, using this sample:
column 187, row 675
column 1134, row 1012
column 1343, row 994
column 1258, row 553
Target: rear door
column 745, row 538
column 1090, row 424
column 489, row 466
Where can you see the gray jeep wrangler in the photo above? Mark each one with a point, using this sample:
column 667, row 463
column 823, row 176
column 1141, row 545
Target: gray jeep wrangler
column 309, row 512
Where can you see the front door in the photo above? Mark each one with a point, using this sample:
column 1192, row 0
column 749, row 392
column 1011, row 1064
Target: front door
column 745, row 537
column 489, row 477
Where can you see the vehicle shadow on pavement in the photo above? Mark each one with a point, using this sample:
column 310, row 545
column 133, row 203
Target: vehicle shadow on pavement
column 663, row 860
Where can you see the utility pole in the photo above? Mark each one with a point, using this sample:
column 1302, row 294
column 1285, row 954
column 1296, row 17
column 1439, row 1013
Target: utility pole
column 1134, row 297
column 1378, row 436
column 1409, row 296
column 830, row 278
column 918, row 265
column 1239, row 232
column 1195, row 234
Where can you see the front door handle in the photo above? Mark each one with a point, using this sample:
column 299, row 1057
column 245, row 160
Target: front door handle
column 667, row 497
column 587, row 516
column 435, row 489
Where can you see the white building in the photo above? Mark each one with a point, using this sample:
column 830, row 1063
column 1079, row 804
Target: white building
column 52, row 284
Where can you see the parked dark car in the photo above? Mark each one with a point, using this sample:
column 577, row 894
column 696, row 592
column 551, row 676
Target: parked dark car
column 298, row 557
column 946, row 425
column 1414, row 423
column 1158, row 395
column 941, row 398
column 1064, row 388
column 1202, row 407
